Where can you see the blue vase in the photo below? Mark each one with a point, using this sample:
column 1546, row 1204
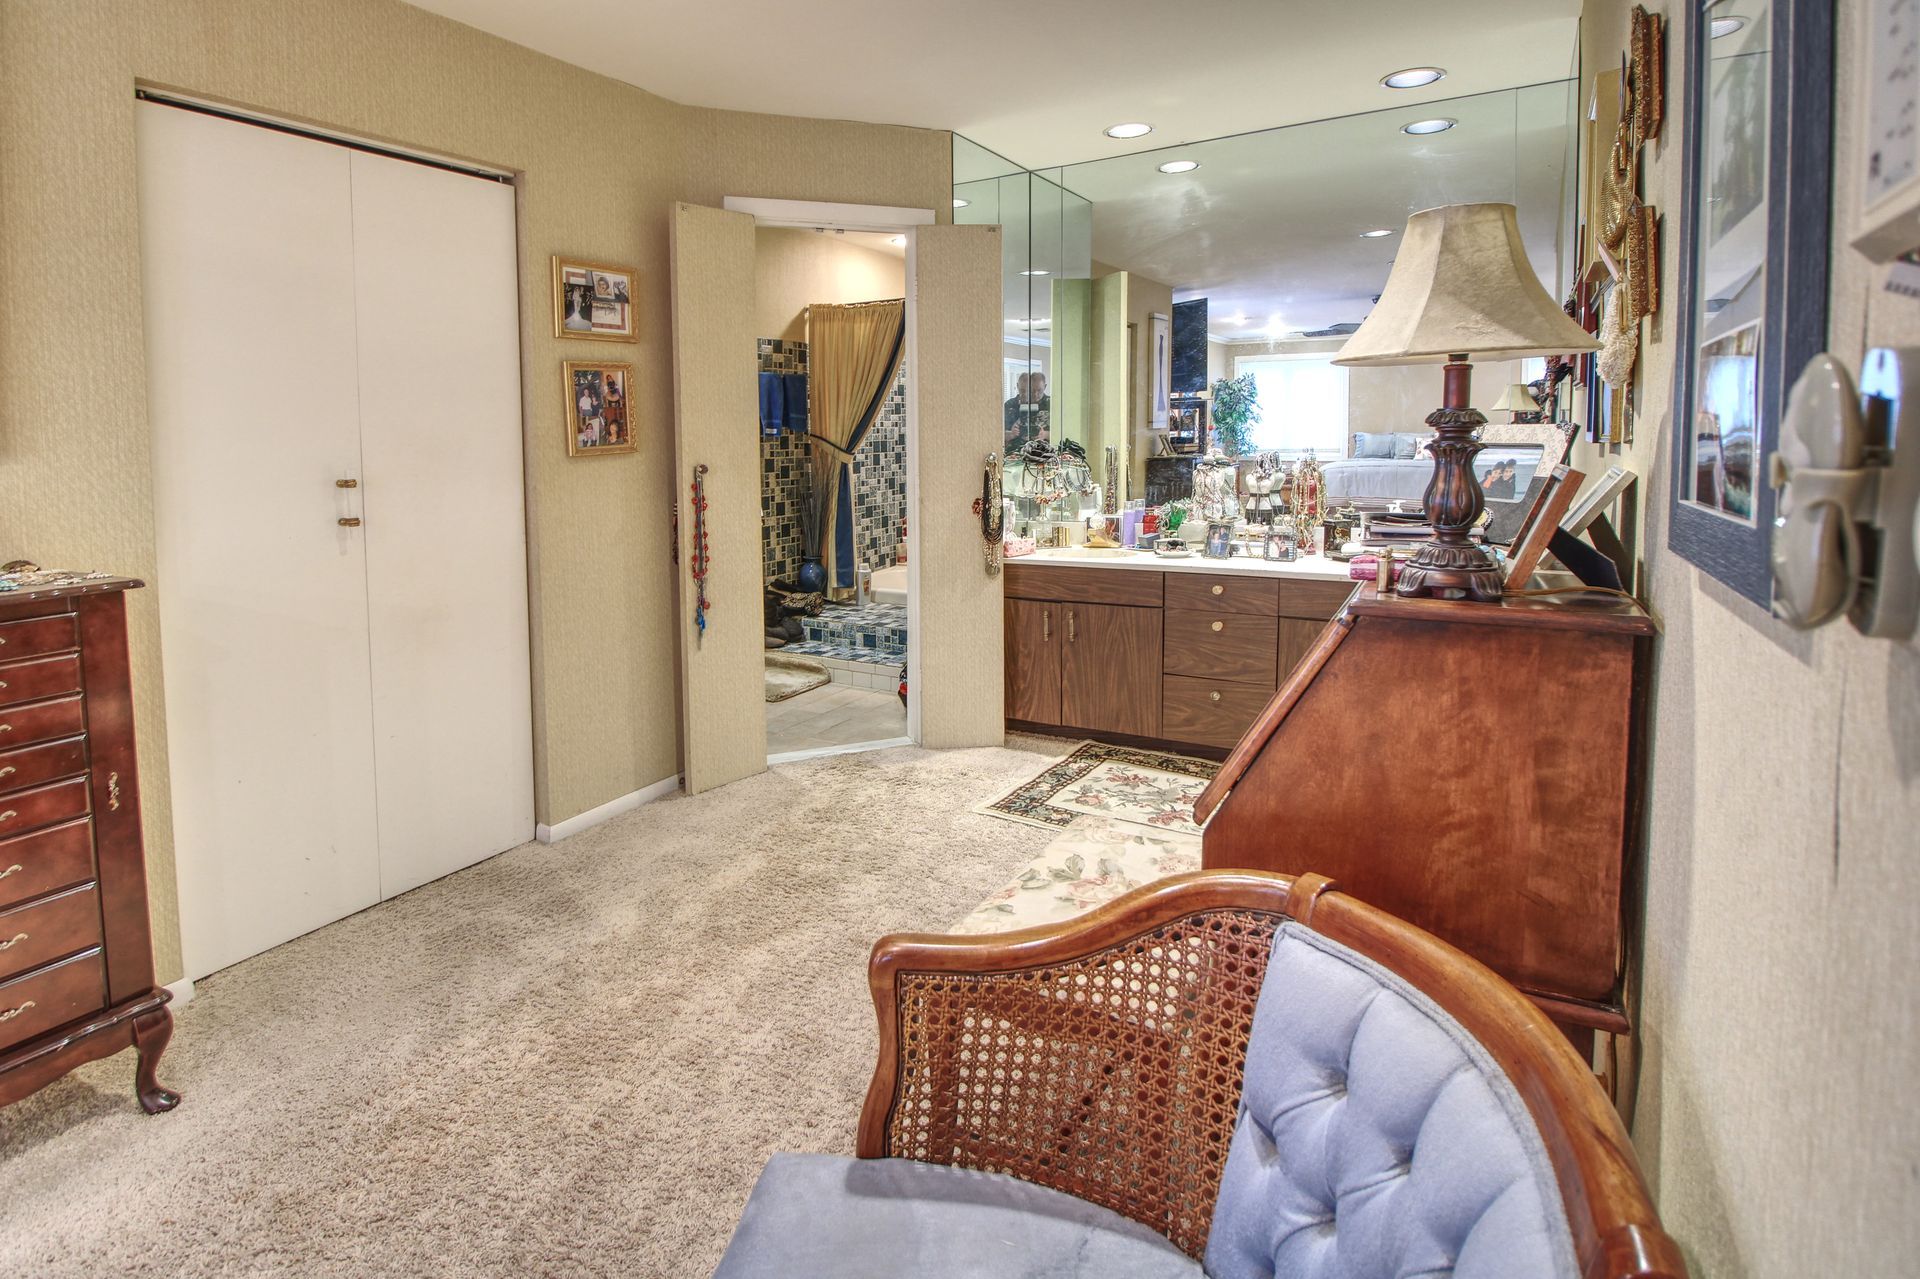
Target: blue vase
column 813, row 577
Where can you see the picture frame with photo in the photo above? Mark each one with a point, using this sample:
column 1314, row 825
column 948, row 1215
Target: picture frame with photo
column 593, row 300
column 599, row 407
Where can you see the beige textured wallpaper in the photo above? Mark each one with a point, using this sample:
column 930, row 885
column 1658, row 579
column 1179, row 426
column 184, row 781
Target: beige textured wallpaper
column 600, row 166
column 794, row 268
column 1777, row 1016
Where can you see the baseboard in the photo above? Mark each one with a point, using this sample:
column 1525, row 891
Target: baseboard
column 851, row 748
column 612, row 808
column 182, row 991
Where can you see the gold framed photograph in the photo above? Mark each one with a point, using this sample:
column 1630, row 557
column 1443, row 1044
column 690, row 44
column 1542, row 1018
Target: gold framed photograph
column 593, row 300
column 599, row 408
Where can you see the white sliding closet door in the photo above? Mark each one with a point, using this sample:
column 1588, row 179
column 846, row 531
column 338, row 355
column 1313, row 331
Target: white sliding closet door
column 334, row 372
column 247, row 245
column 440, row 438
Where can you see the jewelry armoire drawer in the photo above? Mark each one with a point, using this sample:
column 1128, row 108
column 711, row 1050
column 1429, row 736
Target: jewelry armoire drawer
column 45, row 860
column 42, row 806
column 51, row 927
column 41, row 677
column 52, row 996
column 62, row 717
column 32, row 765
column 38, row 635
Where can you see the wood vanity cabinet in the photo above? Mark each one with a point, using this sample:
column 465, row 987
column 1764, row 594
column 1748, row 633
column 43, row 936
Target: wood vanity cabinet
column 1181, row 659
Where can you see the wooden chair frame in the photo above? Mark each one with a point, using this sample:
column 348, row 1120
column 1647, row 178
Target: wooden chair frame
column 1092, row 1056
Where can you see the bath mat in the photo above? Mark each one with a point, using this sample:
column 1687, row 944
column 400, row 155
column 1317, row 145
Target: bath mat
column 1088, row 864
column 790, row 676
column 1148, row 788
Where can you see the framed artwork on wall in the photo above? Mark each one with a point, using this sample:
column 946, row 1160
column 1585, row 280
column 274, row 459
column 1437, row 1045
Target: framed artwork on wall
column 1757, row 175
column 593, row 300
column 1160, row 354
column 1889, row 222
column 599, row 411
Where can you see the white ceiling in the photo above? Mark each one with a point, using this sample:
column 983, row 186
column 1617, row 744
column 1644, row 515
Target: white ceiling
column 1038, row 82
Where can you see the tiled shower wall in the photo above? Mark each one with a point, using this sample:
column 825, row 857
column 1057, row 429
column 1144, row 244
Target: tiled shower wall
column 879, row 478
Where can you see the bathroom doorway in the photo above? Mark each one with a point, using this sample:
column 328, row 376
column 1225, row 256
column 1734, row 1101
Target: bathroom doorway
column 833, row 492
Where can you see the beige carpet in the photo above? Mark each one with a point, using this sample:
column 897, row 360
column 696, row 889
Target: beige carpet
column 565, row 1061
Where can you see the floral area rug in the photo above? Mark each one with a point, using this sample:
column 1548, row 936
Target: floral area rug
column 1148, row 788
column 1093, row 861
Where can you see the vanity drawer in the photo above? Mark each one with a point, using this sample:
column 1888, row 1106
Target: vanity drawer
column 22, row 724
column 1237, row 647
column 52, row 996
column 45, row 860
column 52, row 927
column 35, row 764
column 1316, row 600
column 1209, row 712
column 40, row 635
column 1077, row 585
column 1223, row 593
column 42, row 677
column 42, row 806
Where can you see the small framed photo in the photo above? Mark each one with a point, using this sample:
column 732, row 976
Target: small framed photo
column 599, row 409
column 593, row 300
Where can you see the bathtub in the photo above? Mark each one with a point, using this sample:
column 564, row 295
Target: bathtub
column 888, row 585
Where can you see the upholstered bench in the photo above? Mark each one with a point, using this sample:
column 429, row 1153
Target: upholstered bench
column 1240, row 1068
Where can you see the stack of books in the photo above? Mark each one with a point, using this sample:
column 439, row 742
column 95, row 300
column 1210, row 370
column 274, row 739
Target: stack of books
column 1387, row 529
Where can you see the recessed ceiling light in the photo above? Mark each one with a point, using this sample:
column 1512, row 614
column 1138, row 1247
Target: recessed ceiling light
column 1420, row 128
column 958, row 203
column 1134, row 130
column 1413, row 78
column 896, row 239
column 1725, row 26
column 1179, row 166
column 1375, row 234
column 1036, row 273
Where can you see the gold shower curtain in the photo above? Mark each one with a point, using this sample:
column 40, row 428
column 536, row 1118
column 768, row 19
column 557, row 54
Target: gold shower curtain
column 853, row 354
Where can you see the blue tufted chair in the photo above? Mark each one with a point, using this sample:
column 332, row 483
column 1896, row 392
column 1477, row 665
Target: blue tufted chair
column 1228, row 1073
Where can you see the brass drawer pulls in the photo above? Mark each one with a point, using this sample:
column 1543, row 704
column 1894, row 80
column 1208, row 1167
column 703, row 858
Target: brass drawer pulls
column 1214, row 695
column 1219, row 589
column 15, row 941
column 1219, row 626
column 7, row 772
column 8, row 816
column 14, row 869
column 11, row 1013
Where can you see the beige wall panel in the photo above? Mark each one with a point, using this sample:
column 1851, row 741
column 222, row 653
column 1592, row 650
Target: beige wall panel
column 953, row 393
column 1777, row 1002
column 723, row 729
column 794, row 268
column 600, row 165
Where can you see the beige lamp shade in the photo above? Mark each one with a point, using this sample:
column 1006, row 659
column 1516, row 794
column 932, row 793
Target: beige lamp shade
column 1515, row 399
column 1462, row 285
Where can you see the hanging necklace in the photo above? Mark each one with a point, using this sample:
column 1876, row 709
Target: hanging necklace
column 702, row 558
column 993, row 515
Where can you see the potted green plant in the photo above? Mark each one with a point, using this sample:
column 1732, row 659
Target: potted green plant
column 1236, row 407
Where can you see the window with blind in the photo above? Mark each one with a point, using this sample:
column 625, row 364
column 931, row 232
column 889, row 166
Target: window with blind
column 1303, row 403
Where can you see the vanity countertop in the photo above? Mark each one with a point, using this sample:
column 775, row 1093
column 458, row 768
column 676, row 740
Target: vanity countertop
column 1316, row 567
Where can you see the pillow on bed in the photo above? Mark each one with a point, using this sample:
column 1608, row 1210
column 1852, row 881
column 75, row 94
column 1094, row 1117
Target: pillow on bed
column 1374, row 444
column 1406, row 445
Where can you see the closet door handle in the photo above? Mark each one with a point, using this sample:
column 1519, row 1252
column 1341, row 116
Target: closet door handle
column 346, row 484
column 350, row 521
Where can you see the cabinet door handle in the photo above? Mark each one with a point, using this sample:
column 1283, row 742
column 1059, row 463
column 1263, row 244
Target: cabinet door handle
column 1071, row 636
column 346, row 484
column 1219, row 626
column 1046, row 626
column 350, row 521
column 15, row 941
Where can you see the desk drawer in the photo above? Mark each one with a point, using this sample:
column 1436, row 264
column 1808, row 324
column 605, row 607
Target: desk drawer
column 41, row 677
column 52, row 927
column 52, row 996
column 1209, row 712
column 1223, row 593
column 42, row 806
column 1224, row 646
column 45, row 860
column 40, row 635
column 20, row 725
column 23, row 768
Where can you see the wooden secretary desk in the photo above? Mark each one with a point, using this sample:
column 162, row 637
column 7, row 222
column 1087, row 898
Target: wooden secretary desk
column 76, row 951
column 1472, row 768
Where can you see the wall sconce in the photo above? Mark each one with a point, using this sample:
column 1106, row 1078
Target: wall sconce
column 1847, row 537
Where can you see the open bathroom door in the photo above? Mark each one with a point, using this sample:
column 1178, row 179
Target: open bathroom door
column 954, row 619
column 723, row 710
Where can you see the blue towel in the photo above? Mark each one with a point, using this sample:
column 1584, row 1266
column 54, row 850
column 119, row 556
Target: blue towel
column 795, row 388
column 773, row 404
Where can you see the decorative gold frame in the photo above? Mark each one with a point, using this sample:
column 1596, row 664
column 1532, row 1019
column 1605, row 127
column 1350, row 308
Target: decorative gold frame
column 560, row 264
column 568, row 369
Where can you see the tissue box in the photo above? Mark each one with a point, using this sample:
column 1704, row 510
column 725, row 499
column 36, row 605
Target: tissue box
column 1017, row 546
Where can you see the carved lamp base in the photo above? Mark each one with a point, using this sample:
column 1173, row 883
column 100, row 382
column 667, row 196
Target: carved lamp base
column 1450, row 573
column 1452, row 566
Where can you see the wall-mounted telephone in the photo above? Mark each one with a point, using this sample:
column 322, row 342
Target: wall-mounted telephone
column 1847, row 537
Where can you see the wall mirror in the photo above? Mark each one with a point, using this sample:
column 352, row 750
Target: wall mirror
column 1753, row 266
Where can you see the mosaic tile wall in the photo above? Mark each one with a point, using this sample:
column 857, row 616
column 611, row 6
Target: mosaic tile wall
column 879, row 478
column 880, row 481
column 783, row 474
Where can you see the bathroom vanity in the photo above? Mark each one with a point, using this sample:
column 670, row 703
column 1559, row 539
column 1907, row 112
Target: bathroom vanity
column 1183, row 653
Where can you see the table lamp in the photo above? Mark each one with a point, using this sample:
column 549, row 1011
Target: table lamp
column 1461, row 289
column 1516, row 399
